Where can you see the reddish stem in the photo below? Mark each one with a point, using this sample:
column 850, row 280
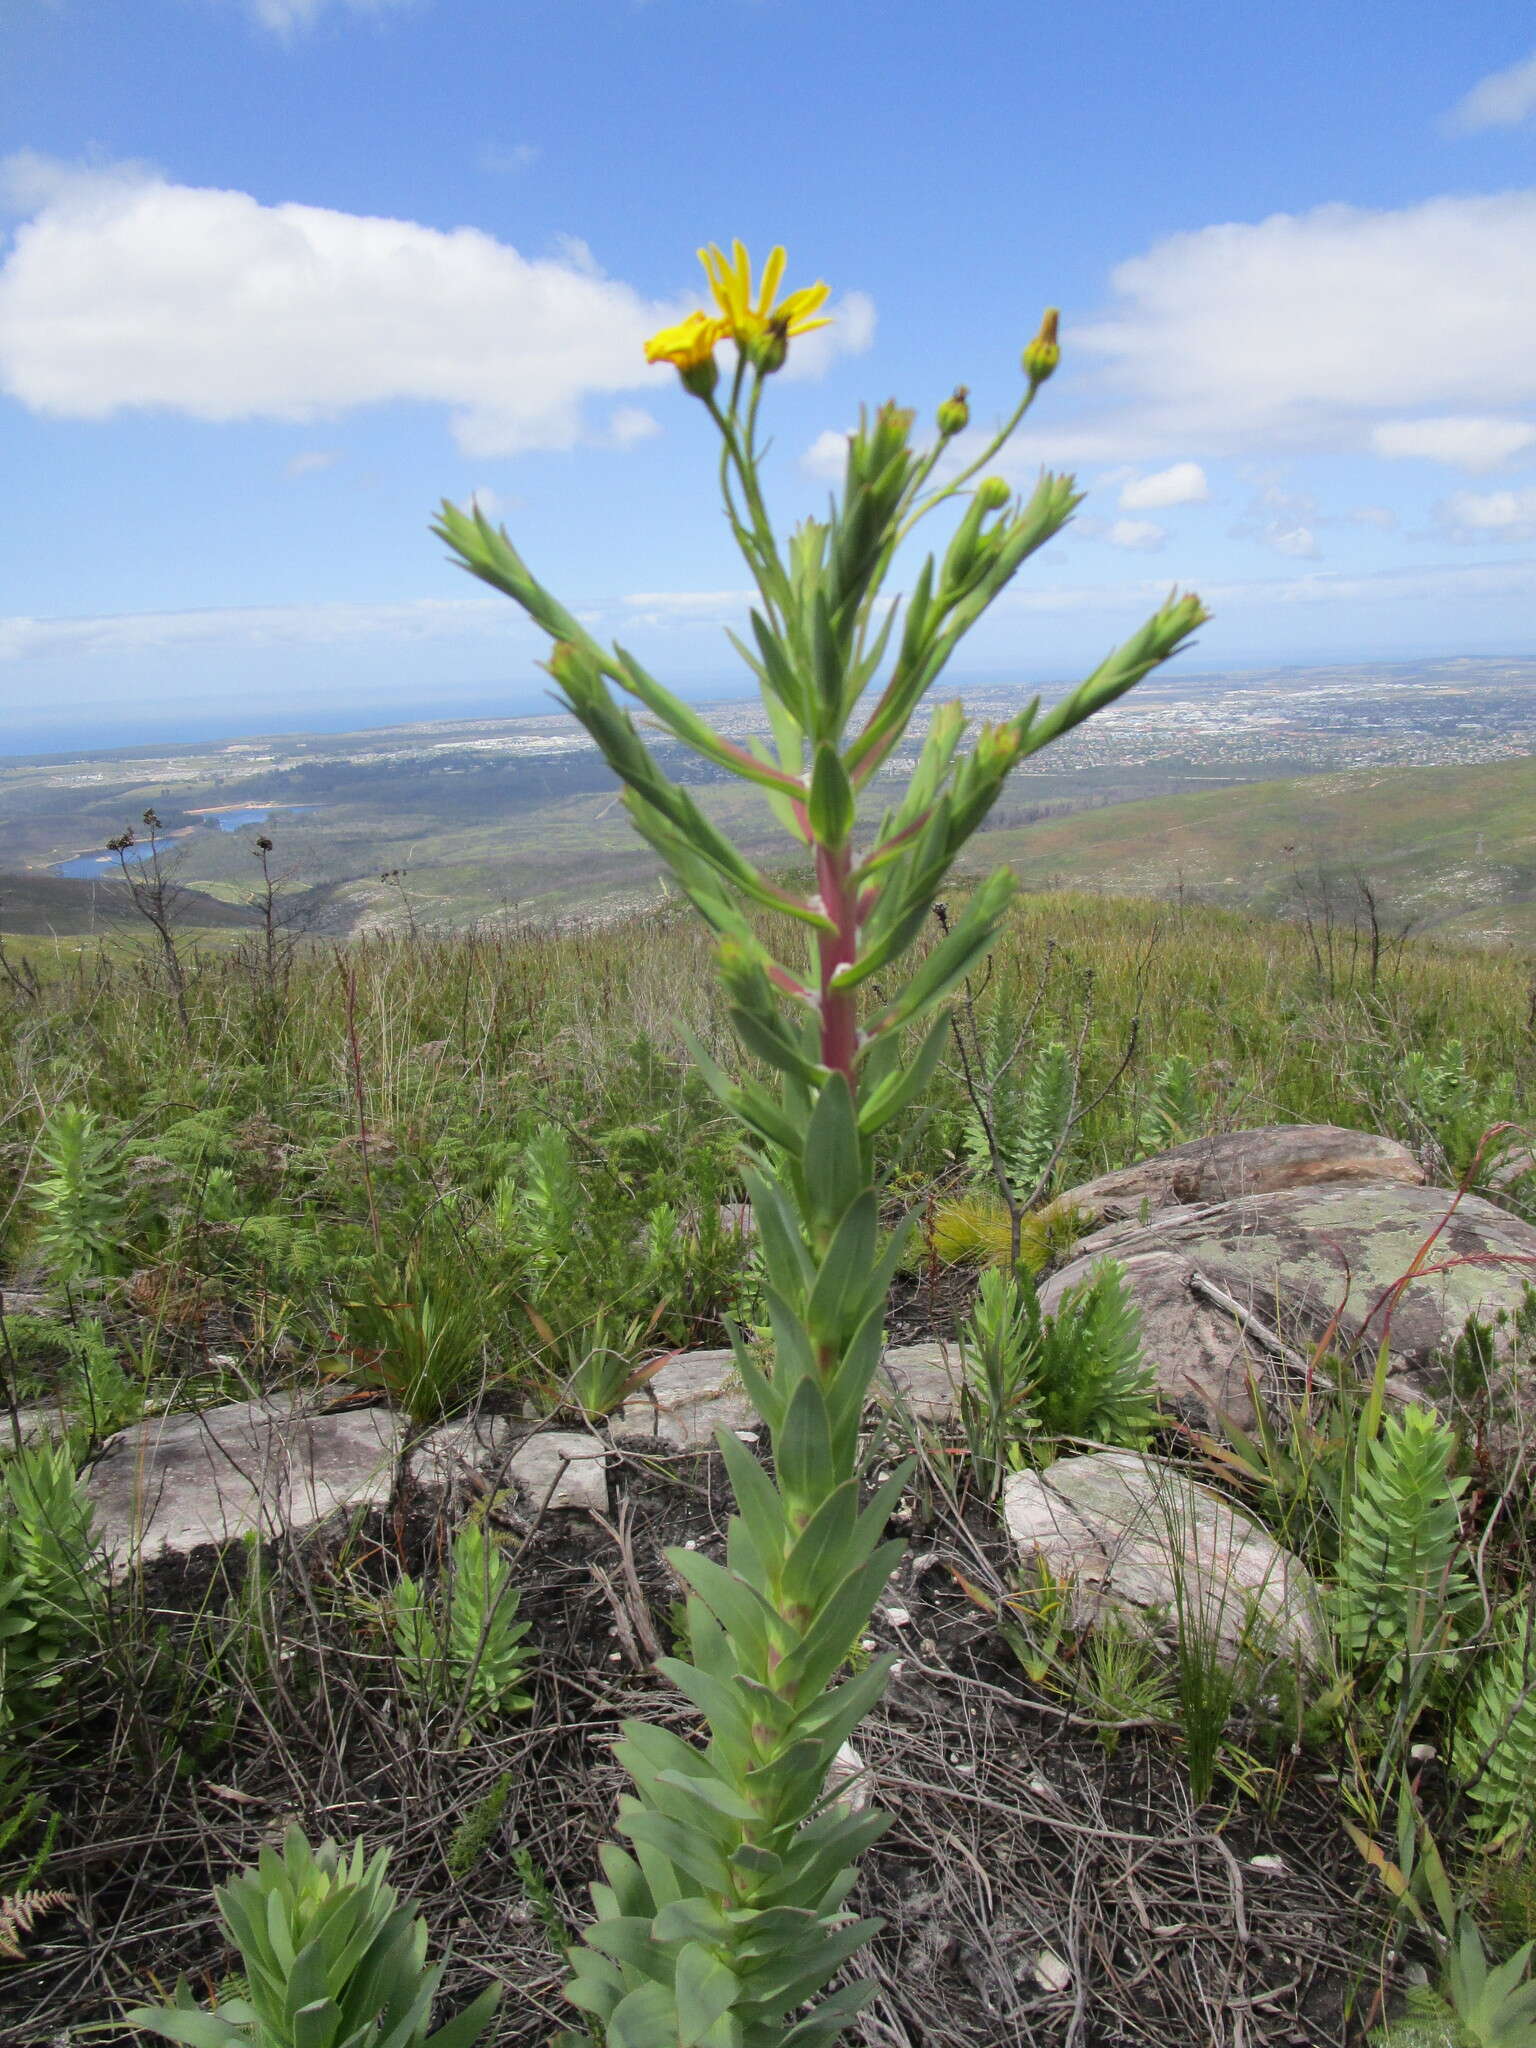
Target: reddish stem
column 838, row 948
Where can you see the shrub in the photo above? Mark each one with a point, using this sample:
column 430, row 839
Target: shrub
column 465, row 1649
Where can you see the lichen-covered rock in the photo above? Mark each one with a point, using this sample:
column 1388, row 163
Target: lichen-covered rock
column 552, row 1468
column 1139, row 1538
column 270, row 1467
column 1236, row 1163
column 1296, row 1259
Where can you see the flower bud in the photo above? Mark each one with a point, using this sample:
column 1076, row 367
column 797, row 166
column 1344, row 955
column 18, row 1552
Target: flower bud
column 954, row 414
column 771, row 347
column 992, row 494
column 1044, row 352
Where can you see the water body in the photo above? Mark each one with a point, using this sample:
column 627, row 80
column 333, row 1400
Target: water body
column 95, row 866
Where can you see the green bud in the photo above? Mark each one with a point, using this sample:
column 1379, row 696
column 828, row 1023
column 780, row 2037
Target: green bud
column 769, row 350
column 700, row 378
column 955, row 413
column 1044, row 352
column 992, row 494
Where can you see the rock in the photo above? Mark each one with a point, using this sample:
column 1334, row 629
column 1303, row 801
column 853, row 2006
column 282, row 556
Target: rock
column 39, row 1422
column 922, row 1378
column 699, row 1392
column 737, row 1220
column 1294, row 1258
column 688, row 1399
column 31, row 1301
column 554, row 1468
column 1237, row 1163
column 269, row 1467
column 1135, row 1536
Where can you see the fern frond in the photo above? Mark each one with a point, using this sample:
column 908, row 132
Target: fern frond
column 18, row 1911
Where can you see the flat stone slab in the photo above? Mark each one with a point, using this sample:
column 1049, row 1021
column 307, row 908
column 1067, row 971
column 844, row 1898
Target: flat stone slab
column 699, row 1392
column 1233, row 1164
column 1295, row 1258
column 271, row 1467
column 925, row 1379
column 1138, row 1538
column 555, row 1468
column 691, row 1397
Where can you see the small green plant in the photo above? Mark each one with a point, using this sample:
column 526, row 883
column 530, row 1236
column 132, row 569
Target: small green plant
column 1029, row 1103
column 999, row 1347
column 1496, row 1742
column 464, row 1649
column 595, row 1365
column 1122, row 1677
column 1175, row 1109
column 79, row 1200
column 1090, row 1380
column 1401, row 1589
column 475, row 1832
column 50, row 1583
column 421, row 1345
column 330, row 1959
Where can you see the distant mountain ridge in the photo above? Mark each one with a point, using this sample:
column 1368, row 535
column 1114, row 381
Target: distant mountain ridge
column 36, row 905
column 1453, row 848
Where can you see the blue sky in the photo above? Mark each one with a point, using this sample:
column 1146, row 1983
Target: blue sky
column 278, row 274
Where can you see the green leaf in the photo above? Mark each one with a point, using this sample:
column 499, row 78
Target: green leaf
column 645, row 2018
column 834, row 1168
column 705, row 1989
column 802, row 1448
column 831, row 805
column 899, row 1090
column 198, row 2029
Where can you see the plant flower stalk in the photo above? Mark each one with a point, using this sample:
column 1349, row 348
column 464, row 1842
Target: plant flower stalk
column 725, row 1917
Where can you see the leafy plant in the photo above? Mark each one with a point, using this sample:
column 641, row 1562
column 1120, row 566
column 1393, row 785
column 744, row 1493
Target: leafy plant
column 464, row 1649
column 999, row 1347
column 1496, row 1742
column 595, row 1364
column 1031, row 1104
column 49, row 1579
column 1175, row 1108
column 1089, row 1377
column 474, row 1833
column 1401, row 1589
column 79, row 1200
column 423, row 1348
column 330, row 1959
column 729, row 1917
column 18, row 1911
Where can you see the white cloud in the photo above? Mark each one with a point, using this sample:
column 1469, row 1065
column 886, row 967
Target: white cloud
column 827, row 455
column 1143, row 536
column 1381, row 516
column 1304, row 329
column 500, row 158
column 256, row 626
column 1299, row 541
column 284, row 16
column 1183, row 484
column 628, row 424
column 1456, row 583
column 310, row 461
column 1491, row 515
column 125, row 290
column 1466, row 442
column 1501, row 100
column 663, row 608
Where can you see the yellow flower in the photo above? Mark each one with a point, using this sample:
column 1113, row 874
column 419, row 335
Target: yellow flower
column 690, row 348
column 760, row 331
column 687, row 346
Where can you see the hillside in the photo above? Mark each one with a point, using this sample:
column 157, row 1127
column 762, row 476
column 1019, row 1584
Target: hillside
column 38, row 905
column 1454, row 848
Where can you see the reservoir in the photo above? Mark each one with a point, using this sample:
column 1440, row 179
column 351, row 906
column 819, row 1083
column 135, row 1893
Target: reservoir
column 97, row 866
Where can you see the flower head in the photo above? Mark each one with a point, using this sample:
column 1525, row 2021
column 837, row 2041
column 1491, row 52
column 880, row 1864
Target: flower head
column 760, row 331
column 690, row 348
